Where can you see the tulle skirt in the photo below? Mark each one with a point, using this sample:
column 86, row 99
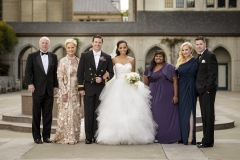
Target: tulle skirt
column 124, row 115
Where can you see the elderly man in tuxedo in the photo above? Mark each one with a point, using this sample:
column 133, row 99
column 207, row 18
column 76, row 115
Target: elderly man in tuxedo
column 41, row 78
column 206, row 86
column 91, row 79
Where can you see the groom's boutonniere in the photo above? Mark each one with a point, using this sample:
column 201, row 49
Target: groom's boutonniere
column 102, row 58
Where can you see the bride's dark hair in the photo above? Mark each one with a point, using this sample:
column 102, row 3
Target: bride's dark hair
column 119, row 42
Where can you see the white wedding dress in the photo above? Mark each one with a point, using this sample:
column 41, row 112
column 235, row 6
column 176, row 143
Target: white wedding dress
column 124, row 115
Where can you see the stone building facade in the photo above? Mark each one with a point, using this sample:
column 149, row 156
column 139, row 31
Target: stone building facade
column 60, row 10
column 149, row 27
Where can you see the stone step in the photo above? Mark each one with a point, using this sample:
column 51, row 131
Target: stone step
column 16, row 116
column 20, row 127
column 221, row 122
column 16, row 121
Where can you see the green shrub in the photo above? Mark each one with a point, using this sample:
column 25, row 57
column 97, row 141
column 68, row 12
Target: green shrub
column 8, row 38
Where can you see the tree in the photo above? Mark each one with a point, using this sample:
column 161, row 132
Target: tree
column 8, row 39
column 125, row 13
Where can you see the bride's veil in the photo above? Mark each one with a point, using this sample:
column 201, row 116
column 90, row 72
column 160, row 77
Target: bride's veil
column 113, row 54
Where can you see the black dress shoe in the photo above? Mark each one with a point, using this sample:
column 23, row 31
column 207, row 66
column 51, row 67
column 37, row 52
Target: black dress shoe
column 199, row 143
column 205, row 145
column 47, row 140
column 88, row 141
column 38, row 141
column 181, row 141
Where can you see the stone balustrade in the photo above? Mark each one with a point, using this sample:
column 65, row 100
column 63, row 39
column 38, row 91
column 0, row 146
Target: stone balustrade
column 27, row 105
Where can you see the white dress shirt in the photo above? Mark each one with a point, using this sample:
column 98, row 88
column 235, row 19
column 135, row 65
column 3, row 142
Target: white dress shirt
column 44, row 61
column 203, row 51
column 96, row 57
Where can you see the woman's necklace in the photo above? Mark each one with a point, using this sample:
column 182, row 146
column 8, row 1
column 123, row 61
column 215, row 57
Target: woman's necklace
column 71, row 58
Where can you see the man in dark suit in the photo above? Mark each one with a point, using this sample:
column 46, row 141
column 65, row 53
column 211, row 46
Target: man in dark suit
column 206, row 87
column 41, row 78
column 91, row 79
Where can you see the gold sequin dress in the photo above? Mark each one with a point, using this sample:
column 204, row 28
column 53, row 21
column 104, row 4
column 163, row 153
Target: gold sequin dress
column 70, row 112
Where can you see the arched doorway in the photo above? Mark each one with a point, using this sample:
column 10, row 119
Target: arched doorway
column 88, row 49
column 22, row 59
column 60, row 52
column 224, row 68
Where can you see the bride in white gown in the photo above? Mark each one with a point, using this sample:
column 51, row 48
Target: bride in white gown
column 124, row 115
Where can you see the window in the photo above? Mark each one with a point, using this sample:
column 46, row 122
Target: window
column 210, row 3
column 221, row 4
column 179, row 3
column 0, row 9
column 190, row 3
column 232, row 3
column 168, row 3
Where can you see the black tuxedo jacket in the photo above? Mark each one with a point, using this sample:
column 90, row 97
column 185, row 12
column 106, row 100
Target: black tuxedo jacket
column 35, row 74
column 87, row 71
column 207, row 73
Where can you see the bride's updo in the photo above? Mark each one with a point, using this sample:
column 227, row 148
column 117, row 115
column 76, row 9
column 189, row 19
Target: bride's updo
column 119, row 42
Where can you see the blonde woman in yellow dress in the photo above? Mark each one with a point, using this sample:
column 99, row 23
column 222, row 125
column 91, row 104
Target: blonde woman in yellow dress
column 69, row 110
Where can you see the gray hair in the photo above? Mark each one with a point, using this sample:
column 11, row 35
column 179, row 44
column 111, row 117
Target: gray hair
column 44, row 38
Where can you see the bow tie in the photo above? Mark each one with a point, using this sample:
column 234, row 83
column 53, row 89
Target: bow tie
column 46, row 53
column 98, row 54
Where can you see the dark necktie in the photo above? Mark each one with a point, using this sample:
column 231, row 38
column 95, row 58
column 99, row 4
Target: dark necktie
column 46, row 53
column 199, row 57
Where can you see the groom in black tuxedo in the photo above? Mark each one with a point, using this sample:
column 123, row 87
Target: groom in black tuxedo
column 41, row 78
column 206, row 87
column 91, row 79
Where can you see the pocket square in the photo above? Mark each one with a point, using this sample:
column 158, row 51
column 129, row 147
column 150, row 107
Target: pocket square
column 203, row 61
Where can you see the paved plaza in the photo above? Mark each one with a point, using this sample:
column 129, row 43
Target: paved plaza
column 18, row 145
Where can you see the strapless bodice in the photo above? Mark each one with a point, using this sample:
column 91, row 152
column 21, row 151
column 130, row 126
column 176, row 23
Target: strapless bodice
column 122, row 69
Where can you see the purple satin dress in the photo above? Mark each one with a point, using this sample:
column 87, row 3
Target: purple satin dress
column 165, row 112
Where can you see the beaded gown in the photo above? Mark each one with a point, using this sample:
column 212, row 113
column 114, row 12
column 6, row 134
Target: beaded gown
column 70, row 112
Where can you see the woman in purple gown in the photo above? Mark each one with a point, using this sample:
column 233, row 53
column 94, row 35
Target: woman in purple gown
column 161, row 77
column 187, row 95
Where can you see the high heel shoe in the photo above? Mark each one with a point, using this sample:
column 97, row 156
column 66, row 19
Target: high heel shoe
column 71, row 143
column 189, row 143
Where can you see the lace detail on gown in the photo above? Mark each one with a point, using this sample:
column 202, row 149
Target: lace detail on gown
column 70, row 112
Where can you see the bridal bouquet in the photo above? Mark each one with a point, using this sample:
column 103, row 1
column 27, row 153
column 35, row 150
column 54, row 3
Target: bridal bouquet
column 132, row 78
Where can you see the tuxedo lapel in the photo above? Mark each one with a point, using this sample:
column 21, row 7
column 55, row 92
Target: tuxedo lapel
column 39, row 60
column 100, row 61
column 91, row 58
column 201, row 58
column 49, row 61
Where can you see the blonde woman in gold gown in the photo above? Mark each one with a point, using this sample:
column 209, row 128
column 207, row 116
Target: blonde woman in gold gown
column 70, row 111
